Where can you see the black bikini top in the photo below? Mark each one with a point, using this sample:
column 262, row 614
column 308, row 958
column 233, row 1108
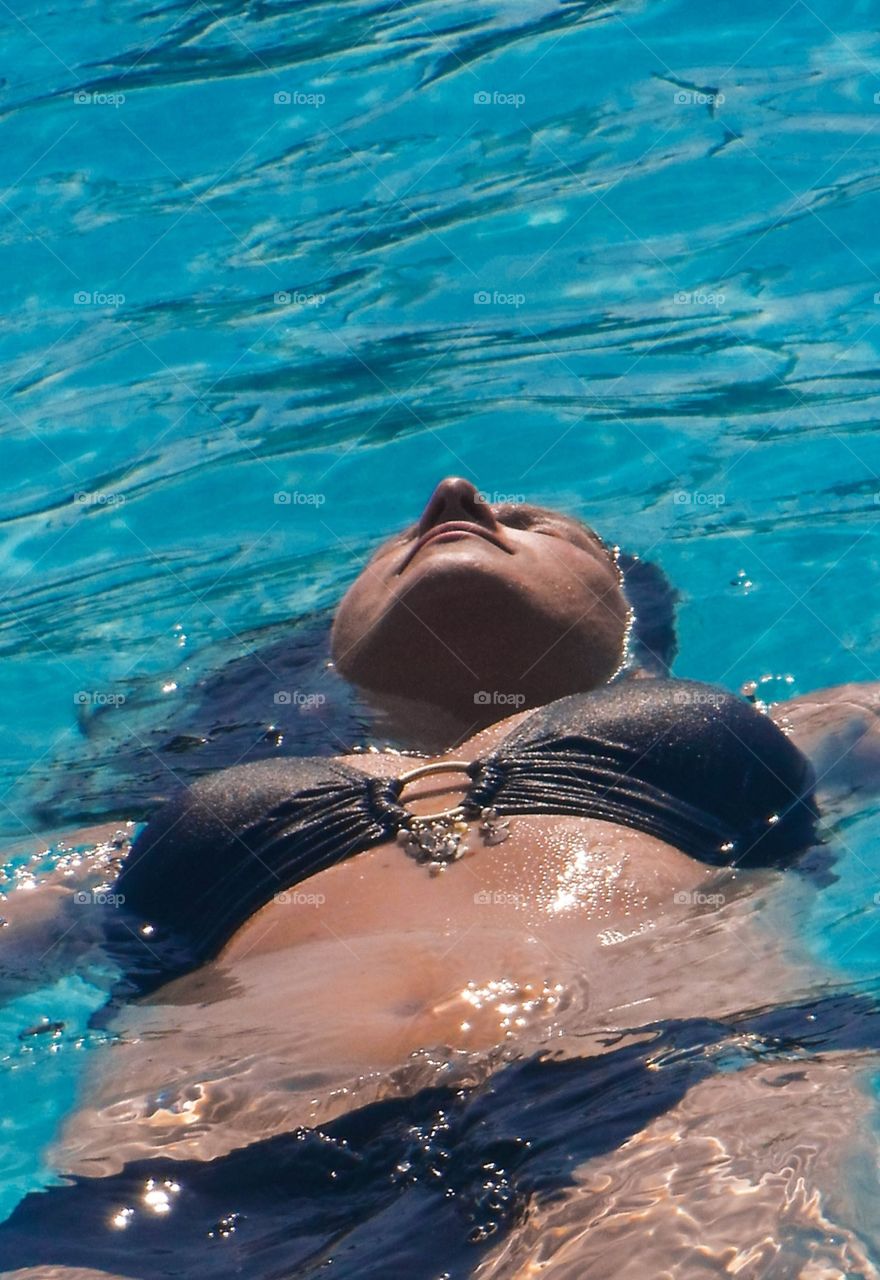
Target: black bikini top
column 689, row 763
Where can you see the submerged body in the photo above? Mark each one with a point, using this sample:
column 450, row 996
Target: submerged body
column 507, row 944
column 380, row 980
column 297, row 968
column 343, row 974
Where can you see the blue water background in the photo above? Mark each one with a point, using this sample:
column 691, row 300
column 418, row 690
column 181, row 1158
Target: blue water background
column 640, row 282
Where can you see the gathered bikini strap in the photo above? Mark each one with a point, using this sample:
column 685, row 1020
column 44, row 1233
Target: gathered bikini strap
column 221, row 849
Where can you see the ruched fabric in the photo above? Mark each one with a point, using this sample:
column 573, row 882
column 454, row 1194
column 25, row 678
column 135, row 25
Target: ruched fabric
column 686, row 762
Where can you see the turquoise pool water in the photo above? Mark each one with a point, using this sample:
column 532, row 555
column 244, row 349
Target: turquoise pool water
column 621, row 260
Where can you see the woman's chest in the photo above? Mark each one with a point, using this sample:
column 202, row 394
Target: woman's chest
column 571, row 881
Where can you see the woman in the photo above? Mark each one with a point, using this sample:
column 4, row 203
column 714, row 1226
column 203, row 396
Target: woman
column 308, row 933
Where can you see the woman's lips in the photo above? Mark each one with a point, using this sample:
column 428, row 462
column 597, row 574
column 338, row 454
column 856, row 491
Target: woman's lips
column 450, row 530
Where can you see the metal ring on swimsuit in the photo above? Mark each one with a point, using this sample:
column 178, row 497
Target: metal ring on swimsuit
column 441, row 766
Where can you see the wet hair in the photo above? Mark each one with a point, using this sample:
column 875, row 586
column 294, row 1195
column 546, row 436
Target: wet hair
column 653, row 643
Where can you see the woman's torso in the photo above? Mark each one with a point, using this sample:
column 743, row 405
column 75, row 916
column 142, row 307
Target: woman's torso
column 571, row 923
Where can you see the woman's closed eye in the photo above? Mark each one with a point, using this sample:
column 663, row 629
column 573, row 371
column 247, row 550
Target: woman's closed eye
column 551, row 530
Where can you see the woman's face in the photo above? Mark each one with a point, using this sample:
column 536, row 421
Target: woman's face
column 483, row 610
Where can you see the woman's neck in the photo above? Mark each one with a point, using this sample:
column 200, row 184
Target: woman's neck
column 421, row 728
column 418, row 726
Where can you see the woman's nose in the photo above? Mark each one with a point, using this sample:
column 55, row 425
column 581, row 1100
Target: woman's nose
column 456, row 499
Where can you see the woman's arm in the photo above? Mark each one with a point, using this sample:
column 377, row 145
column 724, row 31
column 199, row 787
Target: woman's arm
column 839, row 730
column 46, row 915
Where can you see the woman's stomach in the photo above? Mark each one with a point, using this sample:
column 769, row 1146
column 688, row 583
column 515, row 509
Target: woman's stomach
column 374, row 975
column 400, row 959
